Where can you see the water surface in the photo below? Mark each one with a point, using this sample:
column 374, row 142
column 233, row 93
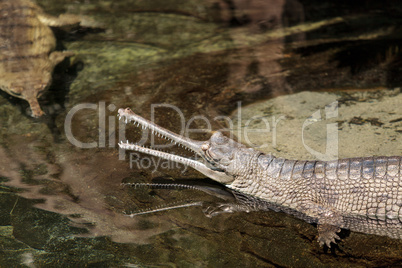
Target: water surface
column 62, row 198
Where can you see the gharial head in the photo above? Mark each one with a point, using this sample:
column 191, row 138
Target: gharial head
column 219, row 152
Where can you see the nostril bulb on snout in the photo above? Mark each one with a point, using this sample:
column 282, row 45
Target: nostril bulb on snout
column 205, row 146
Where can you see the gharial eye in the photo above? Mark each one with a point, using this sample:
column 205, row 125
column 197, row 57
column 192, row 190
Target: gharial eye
column 205, row 146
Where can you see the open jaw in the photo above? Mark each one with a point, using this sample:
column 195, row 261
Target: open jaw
column 198, row 147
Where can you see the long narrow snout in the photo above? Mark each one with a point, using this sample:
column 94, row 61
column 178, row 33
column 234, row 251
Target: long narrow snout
column 197, row 146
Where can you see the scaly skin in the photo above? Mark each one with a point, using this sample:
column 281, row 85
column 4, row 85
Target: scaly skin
column 361, row 194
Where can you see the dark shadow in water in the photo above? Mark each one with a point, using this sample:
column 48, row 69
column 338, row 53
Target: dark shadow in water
column 54, row 100
column 360, row 56
column 75, row 34
column 364, row 55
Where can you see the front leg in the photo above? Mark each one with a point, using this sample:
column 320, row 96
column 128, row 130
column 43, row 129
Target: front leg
column 329, row 221
column 58, row 56
column 327, row 234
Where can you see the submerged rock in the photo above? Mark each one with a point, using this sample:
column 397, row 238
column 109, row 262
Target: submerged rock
column 323, row 126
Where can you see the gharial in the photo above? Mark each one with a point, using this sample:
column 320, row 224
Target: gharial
column 27, row 44
column 360, row 194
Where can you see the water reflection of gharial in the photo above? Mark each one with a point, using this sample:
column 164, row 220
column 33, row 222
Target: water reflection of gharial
column 255, row 67
column 74, row 190
column 360, row 194
column 226, row 197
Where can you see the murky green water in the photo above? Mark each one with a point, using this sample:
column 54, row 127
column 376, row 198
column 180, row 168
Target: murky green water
column 61, row 193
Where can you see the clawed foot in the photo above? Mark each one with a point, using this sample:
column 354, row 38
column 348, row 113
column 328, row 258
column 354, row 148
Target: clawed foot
column 327, row 234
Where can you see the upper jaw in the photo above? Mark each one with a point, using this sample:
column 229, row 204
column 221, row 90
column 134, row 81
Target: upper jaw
column 129, row 116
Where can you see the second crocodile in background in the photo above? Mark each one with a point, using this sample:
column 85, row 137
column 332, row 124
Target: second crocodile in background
column 27, row 44
column 360, row 194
